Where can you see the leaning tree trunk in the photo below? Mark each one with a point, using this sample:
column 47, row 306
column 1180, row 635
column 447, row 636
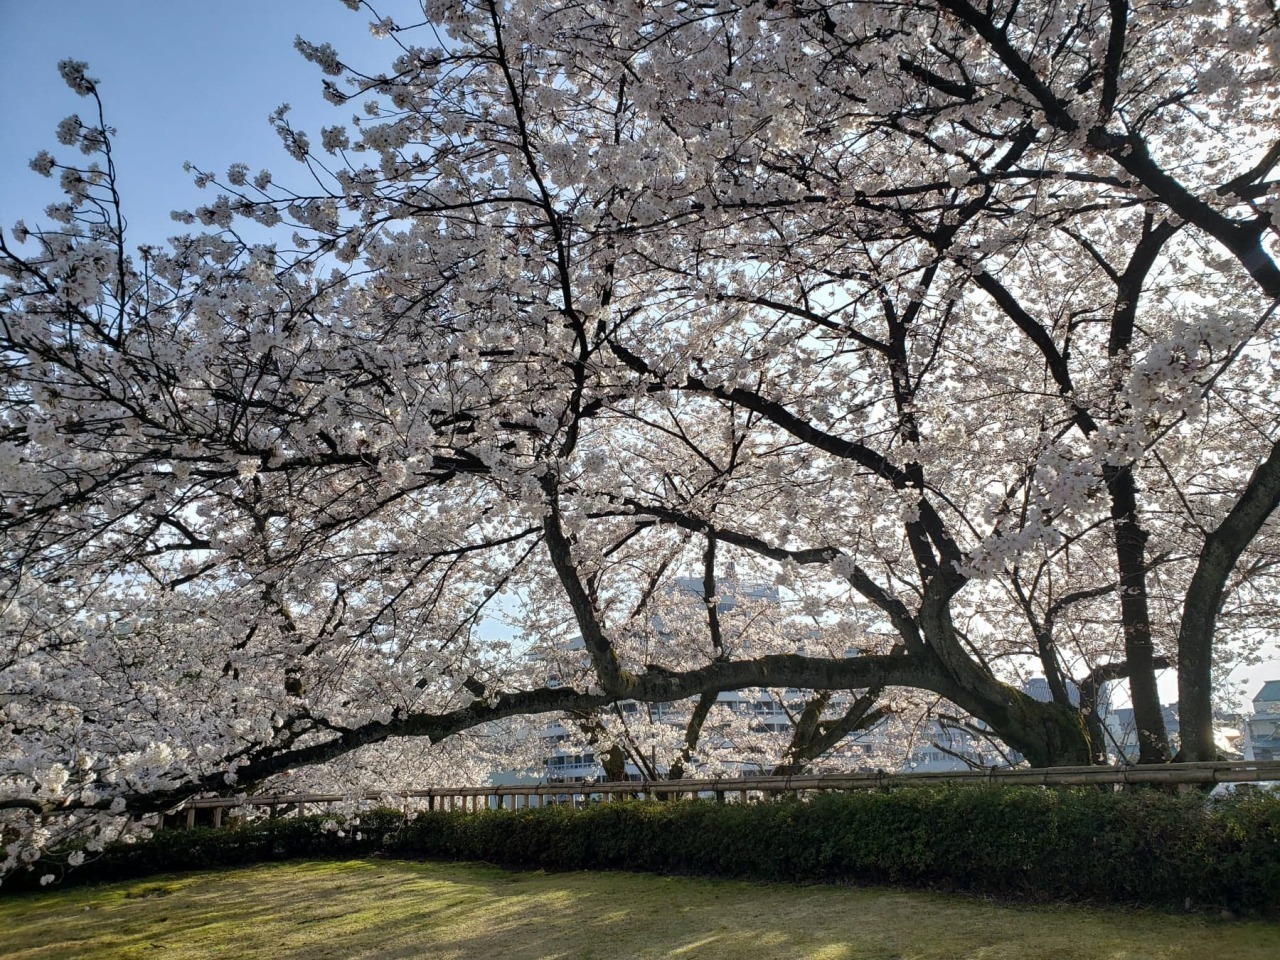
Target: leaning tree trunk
column 1046, row 734
column 1218, row 556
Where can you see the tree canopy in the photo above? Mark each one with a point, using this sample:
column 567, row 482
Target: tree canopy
column 953, row 321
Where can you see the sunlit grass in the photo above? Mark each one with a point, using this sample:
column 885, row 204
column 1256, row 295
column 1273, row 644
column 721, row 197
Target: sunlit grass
column 388, row 909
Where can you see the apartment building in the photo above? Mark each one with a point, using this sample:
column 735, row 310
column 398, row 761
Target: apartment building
column 1262, row 727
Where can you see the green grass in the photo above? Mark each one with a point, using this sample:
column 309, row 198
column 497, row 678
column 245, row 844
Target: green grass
column 379, row 910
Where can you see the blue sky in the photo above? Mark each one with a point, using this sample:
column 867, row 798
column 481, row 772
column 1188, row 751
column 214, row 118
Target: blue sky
column 185, row 80
column 181, row 80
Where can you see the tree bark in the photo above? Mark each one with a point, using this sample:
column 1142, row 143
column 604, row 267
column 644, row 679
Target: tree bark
column 1218, row 556
column 1135, row 617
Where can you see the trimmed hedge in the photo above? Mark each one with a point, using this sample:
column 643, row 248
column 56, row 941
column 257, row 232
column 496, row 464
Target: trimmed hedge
column 1143, row 848
column 1150, row 848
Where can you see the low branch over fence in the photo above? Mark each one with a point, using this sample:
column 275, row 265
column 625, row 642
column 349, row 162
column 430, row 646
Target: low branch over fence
column 739, row 789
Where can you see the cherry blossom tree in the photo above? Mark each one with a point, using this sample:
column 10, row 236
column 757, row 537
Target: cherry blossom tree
column 954, row 322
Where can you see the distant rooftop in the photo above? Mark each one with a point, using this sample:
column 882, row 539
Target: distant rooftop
column 1270, row 692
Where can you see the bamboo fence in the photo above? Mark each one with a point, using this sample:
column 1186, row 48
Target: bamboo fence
column 722, row 789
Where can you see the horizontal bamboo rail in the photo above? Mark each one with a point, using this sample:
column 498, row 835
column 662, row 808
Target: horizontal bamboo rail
column 722, row 788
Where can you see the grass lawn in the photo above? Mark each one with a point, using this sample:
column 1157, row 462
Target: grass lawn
column 380, row 910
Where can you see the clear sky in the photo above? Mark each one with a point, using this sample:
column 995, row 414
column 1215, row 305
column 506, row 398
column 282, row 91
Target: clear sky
column 182, row 80
column 195, row 80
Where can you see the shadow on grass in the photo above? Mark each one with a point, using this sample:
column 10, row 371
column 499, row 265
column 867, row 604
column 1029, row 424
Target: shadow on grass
column 387, row 910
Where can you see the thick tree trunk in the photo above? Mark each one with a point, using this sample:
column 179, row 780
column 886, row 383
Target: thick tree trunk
column 1090, row 690
column 614, row 762
column 1047, row 734
column 1135, row 616
column 1218, row 556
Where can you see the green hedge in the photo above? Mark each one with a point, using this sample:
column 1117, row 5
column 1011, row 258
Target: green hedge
column 1149, row 848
